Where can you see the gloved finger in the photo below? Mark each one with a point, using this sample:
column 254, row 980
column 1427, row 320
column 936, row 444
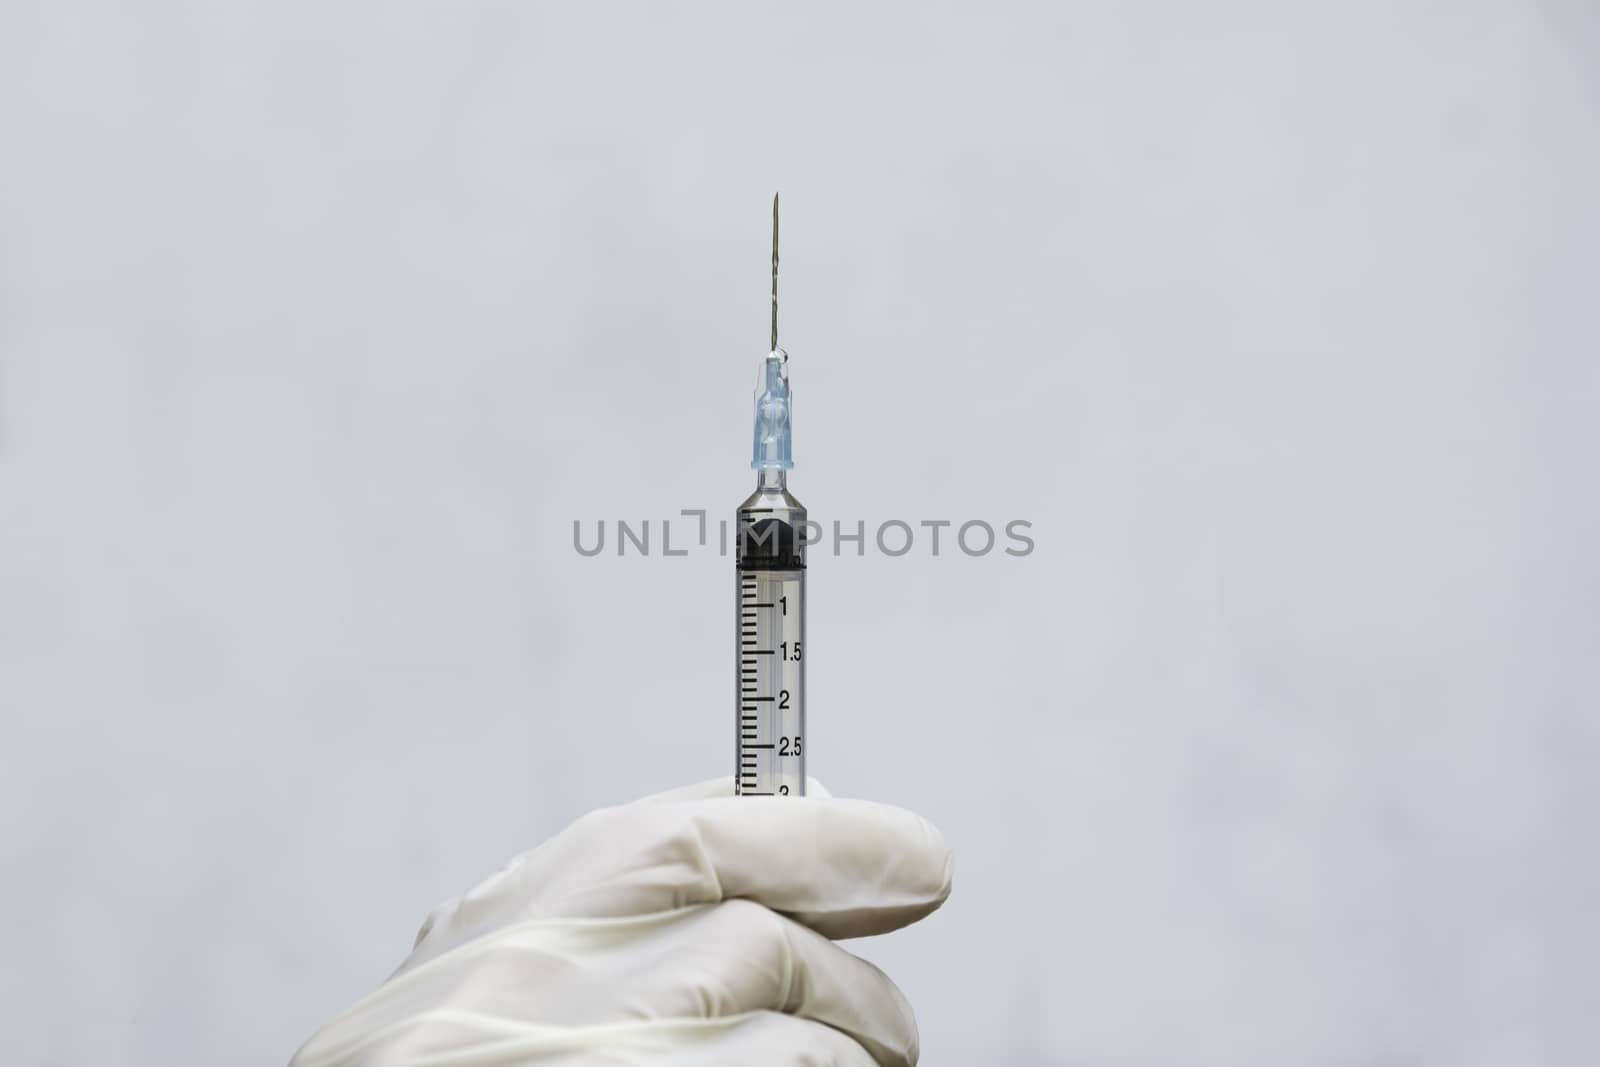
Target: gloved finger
column 763, row 1038
column 469, row 1038
column 738, row 957
column 719, row 961
column 490, row 888
column 845, row 868
column 718, row 787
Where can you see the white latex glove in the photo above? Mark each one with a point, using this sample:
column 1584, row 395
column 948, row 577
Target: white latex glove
column 689, row 928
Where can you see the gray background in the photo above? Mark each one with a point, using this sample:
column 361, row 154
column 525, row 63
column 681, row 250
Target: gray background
column 321, row 323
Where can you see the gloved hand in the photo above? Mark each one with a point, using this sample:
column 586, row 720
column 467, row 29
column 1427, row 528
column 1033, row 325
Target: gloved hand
column 690, row 928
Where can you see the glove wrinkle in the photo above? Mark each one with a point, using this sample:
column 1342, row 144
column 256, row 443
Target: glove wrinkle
column 707, row 867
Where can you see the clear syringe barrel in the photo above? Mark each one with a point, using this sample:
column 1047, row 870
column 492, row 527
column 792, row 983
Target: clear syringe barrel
column 770, row 652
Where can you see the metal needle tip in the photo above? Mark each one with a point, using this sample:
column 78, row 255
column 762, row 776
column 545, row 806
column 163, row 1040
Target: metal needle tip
column 774, row 345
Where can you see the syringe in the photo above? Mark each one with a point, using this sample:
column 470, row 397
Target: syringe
column 770, row 671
